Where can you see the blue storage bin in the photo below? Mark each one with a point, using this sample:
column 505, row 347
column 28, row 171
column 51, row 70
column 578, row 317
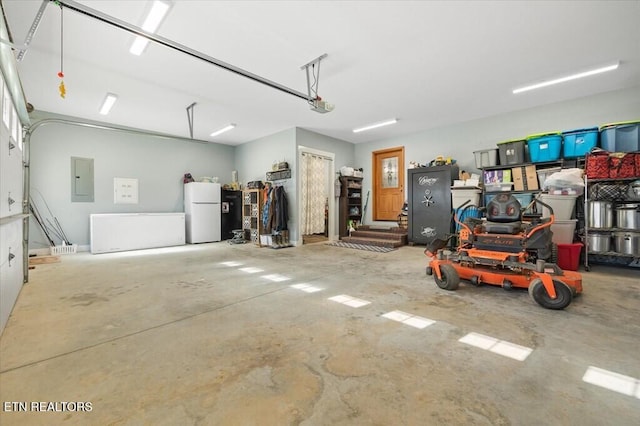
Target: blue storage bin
column 621, row 137
column 523, row 199
column 544, row 147
column 579, row 142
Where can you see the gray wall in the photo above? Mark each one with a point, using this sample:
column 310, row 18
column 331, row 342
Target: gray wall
column 461, row 139
column 159, row 165
column 344, row 156
column 254, row 159
column 344, row 151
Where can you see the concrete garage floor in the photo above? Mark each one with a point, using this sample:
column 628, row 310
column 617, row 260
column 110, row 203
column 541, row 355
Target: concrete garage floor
column 188, row 335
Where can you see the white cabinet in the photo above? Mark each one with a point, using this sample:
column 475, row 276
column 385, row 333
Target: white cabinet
column 135, row 231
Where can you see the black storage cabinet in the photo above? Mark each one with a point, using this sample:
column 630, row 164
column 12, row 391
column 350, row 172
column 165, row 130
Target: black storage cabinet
column 231, row 217
column 430, row 202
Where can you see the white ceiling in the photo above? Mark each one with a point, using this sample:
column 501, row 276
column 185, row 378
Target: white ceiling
column 428, row 63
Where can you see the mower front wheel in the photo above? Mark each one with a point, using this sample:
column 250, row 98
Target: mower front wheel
column 450, row 278
column 538, row 293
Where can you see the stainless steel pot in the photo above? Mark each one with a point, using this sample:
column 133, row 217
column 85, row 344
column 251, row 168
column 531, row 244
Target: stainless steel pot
column 628, row 216
column 600, row 243
column 600, row 214
column 633, row 191
column 627, row 242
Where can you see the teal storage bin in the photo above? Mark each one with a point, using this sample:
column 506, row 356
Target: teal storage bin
column 544, row 147
column 577, row 143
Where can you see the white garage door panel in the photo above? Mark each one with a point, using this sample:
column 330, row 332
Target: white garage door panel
column 10, row 270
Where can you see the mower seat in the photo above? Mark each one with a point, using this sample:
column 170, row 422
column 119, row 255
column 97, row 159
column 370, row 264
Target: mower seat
column 503, row 215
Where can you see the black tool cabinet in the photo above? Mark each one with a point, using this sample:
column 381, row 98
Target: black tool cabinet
column 430, row 202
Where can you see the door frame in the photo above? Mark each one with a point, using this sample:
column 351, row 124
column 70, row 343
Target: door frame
column 376, row 176
column 333, row 219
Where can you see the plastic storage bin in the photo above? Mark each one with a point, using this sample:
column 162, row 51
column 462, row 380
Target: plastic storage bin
column 620, row 137
column 543, row 174
column 486, row 158
column 562, row 206
column 544, row 147
column 563, row 231
column 511, row 152
column 498, row 187
column 523, row 199
column 569, row 256
column 461, row 196
column 578, row 142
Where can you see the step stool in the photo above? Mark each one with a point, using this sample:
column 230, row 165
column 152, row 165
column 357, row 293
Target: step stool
column 238, row 237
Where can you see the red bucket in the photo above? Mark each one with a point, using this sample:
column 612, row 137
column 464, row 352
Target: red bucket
column 569, row 256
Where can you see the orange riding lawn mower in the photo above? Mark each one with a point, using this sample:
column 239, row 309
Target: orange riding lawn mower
column 510, row 249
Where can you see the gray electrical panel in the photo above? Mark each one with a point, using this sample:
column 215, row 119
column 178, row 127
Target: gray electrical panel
column 81, row 180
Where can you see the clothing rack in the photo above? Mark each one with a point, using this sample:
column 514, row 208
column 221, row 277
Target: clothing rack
column 275, row 215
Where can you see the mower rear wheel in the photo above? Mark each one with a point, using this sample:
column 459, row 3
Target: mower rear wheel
column 564, row 295
column 450, row 278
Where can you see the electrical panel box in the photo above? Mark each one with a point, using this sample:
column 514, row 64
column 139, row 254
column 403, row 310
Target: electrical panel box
column 81, row 180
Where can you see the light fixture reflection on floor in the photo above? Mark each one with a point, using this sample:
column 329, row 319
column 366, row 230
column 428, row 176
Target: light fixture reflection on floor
column 375, row 125
column 595, row 71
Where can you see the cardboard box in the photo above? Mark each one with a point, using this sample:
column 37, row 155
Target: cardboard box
column 525, row 178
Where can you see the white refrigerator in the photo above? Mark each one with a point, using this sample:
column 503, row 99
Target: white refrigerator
column 202, row 212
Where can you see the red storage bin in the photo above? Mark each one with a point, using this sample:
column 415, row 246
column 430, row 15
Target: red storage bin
column 597, row 165
column 569, row 256
column 622, row 166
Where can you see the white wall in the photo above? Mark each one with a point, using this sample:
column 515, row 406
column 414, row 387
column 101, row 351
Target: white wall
column 158, row 163
column 461, row 139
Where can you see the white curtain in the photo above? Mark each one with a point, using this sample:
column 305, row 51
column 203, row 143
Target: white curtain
column 313, row 172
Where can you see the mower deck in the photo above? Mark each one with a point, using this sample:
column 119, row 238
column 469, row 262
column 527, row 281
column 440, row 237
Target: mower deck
column 551, row 287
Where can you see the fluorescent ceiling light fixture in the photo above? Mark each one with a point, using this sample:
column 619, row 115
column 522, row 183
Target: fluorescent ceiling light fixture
column 376, row 125
column 224, row 129
column 108, row 102
column 159, row 10
column 568, row 78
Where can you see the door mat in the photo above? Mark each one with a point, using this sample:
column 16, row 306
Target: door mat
column 377, row 249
